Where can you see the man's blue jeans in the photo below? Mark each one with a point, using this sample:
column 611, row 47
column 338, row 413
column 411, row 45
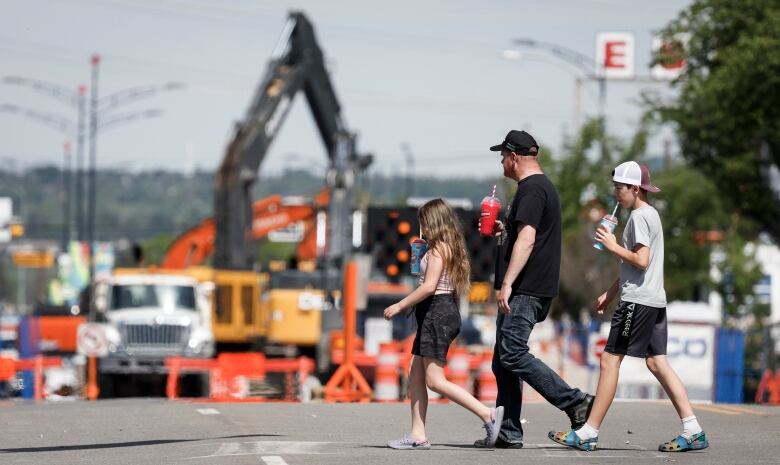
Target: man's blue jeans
column 513, row 364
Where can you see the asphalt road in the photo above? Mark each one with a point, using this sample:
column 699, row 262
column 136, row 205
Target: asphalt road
column 156, row 431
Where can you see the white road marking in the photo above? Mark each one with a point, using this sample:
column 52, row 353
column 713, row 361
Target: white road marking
column 273, row 460
column 271, row 448
column 208, row 411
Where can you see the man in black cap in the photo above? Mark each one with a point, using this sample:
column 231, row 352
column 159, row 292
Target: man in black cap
column 527, row 275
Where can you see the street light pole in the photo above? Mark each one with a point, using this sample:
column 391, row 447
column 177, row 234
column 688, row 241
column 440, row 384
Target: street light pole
column 92, row 159
column 86, row 229
column 73, row 99
column 80, row 163
column 584, row 64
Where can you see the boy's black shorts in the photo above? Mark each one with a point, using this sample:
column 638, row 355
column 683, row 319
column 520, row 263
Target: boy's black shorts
column 438, row 324
column 637, row 331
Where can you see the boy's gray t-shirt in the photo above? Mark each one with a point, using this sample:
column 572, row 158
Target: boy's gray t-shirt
column 645, row 287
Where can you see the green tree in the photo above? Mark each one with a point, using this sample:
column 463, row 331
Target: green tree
column 154, row 248
column 582, row 177
column 690, row 205
column 727, row 113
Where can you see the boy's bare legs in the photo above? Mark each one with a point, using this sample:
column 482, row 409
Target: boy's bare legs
column 664, row 373
column 435, row 379
column 605, row 392
column 418, row 394
column 691, row 430
column 586, row 437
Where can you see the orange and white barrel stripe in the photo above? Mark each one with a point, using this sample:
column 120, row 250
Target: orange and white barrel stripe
column 386, row 381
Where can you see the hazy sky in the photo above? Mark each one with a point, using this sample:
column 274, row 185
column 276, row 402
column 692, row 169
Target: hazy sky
column 424, row 73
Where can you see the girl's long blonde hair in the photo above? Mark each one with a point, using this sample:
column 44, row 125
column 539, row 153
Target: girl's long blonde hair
column 444, row 233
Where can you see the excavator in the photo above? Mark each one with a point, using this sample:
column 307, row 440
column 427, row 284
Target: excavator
column 293, row 308
column 194, row 246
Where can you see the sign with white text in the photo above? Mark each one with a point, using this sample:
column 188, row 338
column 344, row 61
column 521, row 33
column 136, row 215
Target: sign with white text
column 690, row 349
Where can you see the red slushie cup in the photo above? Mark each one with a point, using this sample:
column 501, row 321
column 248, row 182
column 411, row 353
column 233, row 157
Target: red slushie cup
column 490, row 208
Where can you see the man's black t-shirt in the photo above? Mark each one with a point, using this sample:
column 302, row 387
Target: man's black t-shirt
column 536, row 203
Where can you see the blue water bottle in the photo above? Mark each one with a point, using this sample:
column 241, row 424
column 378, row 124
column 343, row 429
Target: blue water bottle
column 419, row 247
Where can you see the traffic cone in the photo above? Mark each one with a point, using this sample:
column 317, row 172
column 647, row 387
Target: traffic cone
column 386, row 386
column 488, row 388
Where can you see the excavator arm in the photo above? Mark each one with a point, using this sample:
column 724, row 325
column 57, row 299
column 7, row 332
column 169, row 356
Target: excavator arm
column 196, row 244
column 297, row 64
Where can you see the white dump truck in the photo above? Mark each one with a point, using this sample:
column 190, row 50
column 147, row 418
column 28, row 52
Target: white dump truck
column 148, row 316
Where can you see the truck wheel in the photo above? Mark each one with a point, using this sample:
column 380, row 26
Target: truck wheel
column 106, row 383
column 195, row 385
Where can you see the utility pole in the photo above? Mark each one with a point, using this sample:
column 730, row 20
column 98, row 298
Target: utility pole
column 409, row 169
column 80, row 233
column 92, row 160
column 85, row 222
column 66, row 196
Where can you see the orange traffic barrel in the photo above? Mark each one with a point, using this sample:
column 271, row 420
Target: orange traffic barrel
column 386, row 382
column 458, row 367
column 488, row 389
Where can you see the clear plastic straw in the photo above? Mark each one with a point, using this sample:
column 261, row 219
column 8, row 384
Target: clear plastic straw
column 615, row 210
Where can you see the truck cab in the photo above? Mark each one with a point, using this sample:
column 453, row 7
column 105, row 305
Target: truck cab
column 147, row 317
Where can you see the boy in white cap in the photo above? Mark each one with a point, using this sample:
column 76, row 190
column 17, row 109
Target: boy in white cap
column 638, row 327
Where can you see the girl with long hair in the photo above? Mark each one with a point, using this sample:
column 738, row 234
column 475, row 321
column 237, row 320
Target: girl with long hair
column 444, row 275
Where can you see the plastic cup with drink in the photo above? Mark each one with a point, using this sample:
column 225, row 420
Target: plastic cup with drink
column 418, row 249
column 609, row 222
column 490, row 208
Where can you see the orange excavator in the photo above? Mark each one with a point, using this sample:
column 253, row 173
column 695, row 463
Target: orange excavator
column 269, row 214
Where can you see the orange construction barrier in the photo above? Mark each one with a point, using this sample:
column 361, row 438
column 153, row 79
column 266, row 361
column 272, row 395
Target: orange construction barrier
column 386, row 384
column 488, row 388
column 301, row 368
column 9, row 367
column 230, row 373
column 179, row 365
column 230, row 379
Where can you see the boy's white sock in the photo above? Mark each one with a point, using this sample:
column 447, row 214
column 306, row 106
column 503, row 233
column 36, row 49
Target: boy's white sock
column 690, row 427
column 587, row 432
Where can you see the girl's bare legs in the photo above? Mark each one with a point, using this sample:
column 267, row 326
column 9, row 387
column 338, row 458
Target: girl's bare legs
column 605, row 392
column 418, row 395
column 435, row 379
column 664, row 373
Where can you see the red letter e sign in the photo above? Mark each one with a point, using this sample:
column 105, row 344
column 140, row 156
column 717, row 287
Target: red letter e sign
column 615, row 54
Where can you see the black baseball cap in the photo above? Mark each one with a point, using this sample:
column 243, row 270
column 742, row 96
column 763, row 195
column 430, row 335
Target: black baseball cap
column 519, row 142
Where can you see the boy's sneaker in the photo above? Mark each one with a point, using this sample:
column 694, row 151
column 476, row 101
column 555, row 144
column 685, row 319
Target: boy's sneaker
column 500, row 444
column 578, row 414
column 408, row 443
column 494, row 426
column 680, row 444
column 570, row 439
